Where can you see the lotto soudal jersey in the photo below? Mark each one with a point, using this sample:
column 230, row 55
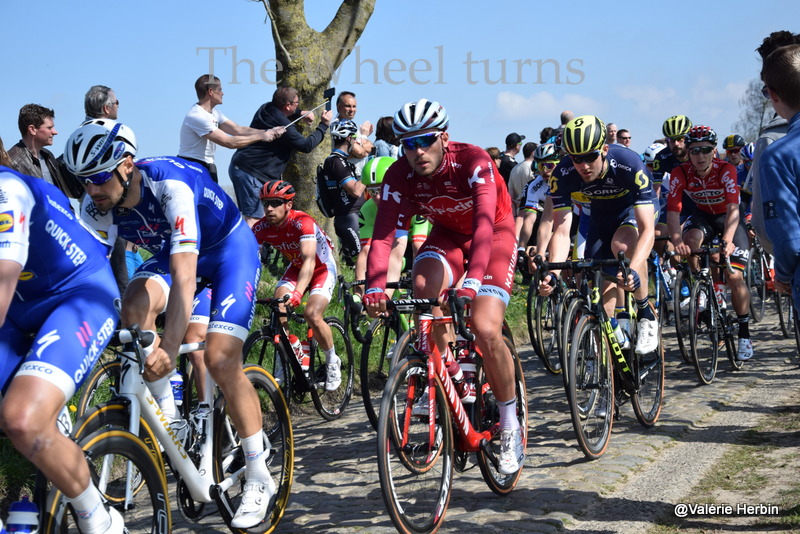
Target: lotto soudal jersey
column 711, row 193
column 180, row 207
column 625, row 183
column 297, row 228
column 466, row 195
column 39, row 231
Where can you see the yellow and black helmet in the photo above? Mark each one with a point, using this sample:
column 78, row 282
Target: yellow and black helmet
column 583, row 134
column 676, row 126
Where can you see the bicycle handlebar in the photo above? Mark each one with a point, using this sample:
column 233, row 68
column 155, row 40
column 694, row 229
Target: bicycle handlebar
column 456, row 308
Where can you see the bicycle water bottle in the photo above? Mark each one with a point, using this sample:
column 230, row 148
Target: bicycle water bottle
column 176, row 380
column 2, row 528
column 467, row 363
column 622, row 338
column 720, row 292
column 297, row 347
column 305, row 363
column 23, row 517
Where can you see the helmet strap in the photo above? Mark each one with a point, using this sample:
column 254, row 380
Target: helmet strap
column 126, row 185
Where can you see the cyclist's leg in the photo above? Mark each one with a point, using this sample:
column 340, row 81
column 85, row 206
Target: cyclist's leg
column 740, row 294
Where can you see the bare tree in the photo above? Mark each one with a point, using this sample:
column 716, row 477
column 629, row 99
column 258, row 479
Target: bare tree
column 309, row 60
column 756, row 111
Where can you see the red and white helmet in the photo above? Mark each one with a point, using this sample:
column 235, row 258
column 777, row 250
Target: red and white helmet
column 420, row 115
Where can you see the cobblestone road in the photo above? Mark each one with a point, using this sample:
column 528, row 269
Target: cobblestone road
column 336, row 488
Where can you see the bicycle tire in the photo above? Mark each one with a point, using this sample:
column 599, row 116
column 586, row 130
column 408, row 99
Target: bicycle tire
column 331, row 404
column 415, row 475
column 101, row 386
column 703, row 332
column 571, row 317
column 783, row 303
column 730, row 343
column 108, row 451
column 260, row 349
column 277, row 430
column 489, row 416
column 545, row 324
column 591, row 388
column 648, row 399
column 756, row 283
column 681, row 315
column 377, row 354
column 655, row 293
column 530, row 317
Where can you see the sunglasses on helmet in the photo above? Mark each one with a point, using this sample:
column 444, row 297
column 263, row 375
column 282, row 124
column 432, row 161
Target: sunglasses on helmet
column 585, row 158
column 273, row 202
column 420, row 141
column 695, row 150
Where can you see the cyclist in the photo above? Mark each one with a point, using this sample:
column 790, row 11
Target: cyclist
column 733, row 145
column 461, row 191
column 57, row 315
column 175, row 209
column 620, row 191
column 311, row 268
column 545, row 157
column 711, row 183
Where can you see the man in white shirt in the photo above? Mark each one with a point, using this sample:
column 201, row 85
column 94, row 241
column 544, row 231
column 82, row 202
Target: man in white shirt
column 205, row 127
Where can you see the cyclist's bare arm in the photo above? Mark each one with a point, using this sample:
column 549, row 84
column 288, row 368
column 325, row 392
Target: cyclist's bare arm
column 559, row 244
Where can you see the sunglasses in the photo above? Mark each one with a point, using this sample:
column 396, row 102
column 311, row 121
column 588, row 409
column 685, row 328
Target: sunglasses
column 547, row 164
column 701, row 150
column 97, row 179
column 273, row 202
column 374, row 191
column 624, row 138
column 765, row 92
column 420, row 141
column 734, row 150
column 585, row 158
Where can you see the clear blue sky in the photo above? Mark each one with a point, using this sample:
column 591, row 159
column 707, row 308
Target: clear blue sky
column 632, row 63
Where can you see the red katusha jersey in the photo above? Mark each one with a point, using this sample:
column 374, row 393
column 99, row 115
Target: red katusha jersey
column 711, row 194
column 466, row 195
column 286, row 238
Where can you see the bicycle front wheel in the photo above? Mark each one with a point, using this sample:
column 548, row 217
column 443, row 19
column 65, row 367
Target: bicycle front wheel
column 545, row 323
column 415, row 454
column 591, row 388
column 681, row 297
column 330, row 403
column 276, row 429
column 260, row 349
column 756, row 277
column 124, row 471
column 648, row 399
column 490, row 416
column 783, row 302
column 703, row 331
column 377, row 354
column 101, row 386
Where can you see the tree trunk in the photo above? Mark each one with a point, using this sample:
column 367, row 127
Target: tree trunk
column 309, row 59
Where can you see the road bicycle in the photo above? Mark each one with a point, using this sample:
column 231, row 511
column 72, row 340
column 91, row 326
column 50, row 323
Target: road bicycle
column 425, row 432
column 269, row 346
column 206, row 457
column 603, row 374
column 759, row 278
column 544, row 322
column 681, row 291
column 710, row 324
column 354, row 321
column 660, row 283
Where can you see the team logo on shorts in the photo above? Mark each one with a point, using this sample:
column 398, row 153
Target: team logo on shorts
column 6, row 221
column 24, row 276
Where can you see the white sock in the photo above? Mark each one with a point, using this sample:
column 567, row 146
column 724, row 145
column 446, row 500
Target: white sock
column 162, row 391
column 255, row 463
column 330, row 354
column 92, row 515
column 508, row 415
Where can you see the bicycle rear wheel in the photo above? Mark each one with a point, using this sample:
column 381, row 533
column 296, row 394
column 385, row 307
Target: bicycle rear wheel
column 755, row 277
column 648, row 399
column 101, row 386
column 415, row 455
column 730, row 342
column 703, row 331
column 260, row 349
column 278, row 443
column 377, row 354
column 331, row 404
column 118, row 460
column 783, row 302
column 490, row 416
column 680, row 310
column 591, row 388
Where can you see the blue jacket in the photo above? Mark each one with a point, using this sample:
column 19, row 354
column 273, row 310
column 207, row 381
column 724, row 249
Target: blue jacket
column 779, row 169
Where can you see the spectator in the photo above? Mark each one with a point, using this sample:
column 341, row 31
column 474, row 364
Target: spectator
column 346, row 107
column 494, row 153
column 386, row 143
column 508, row 158
column 260, row 162
column 100, row 102
column 611, row 134
column 774, row 130
column 521, row 175
column 546, row 134
column 779, row 166
column 5, row 161
column 205, row 127
column 624, row 138
column 29, row 156
column 566, row 116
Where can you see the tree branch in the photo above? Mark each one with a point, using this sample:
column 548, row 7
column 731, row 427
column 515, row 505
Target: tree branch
column 275, row 31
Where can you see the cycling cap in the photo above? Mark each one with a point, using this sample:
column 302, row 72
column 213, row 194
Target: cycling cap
column 278, row 189
column 418, row 116
column 373, row 171
column 676, row 126
column 546, row 152
column 650, row 152
column 342, row 129
column 584, row 134
column 733, row 141
column 98, row 146
column 747, row 151
column 701, row 133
